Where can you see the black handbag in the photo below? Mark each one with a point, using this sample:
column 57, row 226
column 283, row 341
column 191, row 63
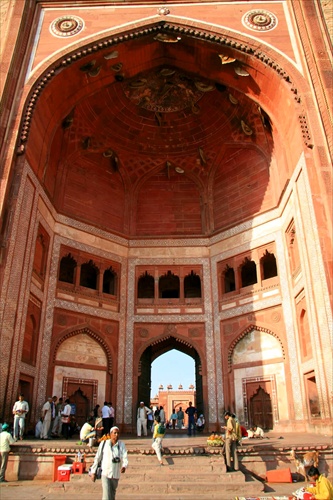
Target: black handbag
column 98, row 472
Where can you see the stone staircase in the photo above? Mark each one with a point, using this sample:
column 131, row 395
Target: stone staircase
column 182, row 477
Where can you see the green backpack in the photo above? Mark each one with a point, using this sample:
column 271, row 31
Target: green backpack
column 161, row 429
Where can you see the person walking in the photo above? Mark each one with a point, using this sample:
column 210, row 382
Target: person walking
column 173, row 418
column 230, row 442
column 66, row 419
column 20, row 410
column 112, row 414
column 180, row 418
column 150, row 420
column 191, row 411
column 106, row 416
column 159, row 433
column 141, row 417
column 6, row 440
column 56, row 427
column 46, row 417
column 112, row 455
column 162, row 415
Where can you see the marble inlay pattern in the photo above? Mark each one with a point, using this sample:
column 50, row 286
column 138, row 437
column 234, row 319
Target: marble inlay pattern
column 15, row 303
column 259, row 20
column 287, row 308
column 250, row 307
column 66, row 26
column 318, row 301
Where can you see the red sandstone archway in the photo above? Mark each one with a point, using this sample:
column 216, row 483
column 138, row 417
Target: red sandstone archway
column 155, row 349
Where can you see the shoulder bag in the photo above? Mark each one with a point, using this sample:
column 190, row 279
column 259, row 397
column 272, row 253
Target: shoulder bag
column 98, row 472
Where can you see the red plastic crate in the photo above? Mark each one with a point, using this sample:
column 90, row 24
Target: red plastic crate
column 79, row 467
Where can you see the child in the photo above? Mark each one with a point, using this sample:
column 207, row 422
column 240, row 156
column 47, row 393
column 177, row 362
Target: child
column 159, row 433
column 323, row 488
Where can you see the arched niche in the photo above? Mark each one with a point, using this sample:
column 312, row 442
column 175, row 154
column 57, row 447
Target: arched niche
column 82, row 364
column 256, row 363
column 256, row 346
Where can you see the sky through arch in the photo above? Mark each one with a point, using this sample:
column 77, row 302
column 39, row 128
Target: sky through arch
column 173, row 367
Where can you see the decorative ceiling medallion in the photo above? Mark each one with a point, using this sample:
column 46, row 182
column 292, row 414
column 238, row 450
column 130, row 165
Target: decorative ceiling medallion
column 166, row 90
column 259, row 20
column 66, row 26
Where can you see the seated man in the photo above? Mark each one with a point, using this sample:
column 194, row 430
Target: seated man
column 258, row 432
column 87, row 430
column 201, row 423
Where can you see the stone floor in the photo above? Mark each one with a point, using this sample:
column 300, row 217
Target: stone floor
column 45, row 490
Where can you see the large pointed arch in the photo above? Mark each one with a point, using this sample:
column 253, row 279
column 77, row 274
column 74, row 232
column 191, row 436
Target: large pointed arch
column 158, row 346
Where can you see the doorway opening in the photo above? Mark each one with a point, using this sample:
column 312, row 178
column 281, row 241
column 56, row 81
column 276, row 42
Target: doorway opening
column 175, row 370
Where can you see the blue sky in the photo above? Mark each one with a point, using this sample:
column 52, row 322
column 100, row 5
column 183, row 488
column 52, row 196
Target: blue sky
column 173, row 368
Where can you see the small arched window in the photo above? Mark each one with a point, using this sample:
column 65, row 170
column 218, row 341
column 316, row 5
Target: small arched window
column 88, row 276
column 146, row 286
column 248, row 272
column 109, row 281
column 169, row 286
column 268, row 265
column 192, row 286
column 229, row 279
column 67, row 269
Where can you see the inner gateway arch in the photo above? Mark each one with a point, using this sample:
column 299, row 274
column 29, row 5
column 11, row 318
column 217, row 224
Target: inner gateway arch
column 161, row 196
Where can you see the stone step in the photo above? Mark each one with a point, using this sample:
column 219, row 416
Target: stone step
column 162, row 483
column 169, row 475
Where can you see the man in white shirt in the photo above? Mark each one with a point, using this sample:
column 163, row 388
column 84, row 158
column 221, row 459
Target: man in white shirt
column 142, row 413
column 65, row 418
column 20, row 409
column 111, row 415
column 258, row 432
column 106, row 416
column 112, row 455
column 46, row 417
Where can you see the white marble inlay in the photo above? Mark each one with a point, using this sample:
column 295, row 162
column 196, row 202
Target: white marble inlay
column 228, row 306
column 271, row 292
column 249, row 300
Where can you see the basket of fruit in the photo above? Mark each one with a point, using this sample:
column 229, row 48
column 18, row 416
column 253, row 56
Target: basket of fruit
column 215, row 440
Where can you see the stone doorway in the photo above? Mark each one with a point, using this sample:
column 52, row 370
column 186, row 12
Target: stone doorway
column 261, row 412
column 81, row 393
column 155, row 350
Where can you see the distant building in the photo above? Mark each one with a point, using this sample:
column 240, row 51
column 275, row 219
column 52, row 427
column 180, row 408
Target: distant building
column 174, row 399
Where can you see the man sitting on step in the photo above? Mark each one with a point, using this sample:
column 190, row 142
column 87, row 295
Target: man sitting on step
column 87, row 430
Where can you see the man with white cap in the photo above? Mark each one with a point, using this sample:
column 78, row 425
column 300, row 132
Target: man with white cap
column 112, row 457
column 142, row 413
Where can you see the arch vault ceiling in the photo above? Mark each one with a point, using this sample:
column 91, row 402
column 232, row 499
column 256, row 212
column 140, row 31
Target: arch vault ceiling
column 154, row 136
